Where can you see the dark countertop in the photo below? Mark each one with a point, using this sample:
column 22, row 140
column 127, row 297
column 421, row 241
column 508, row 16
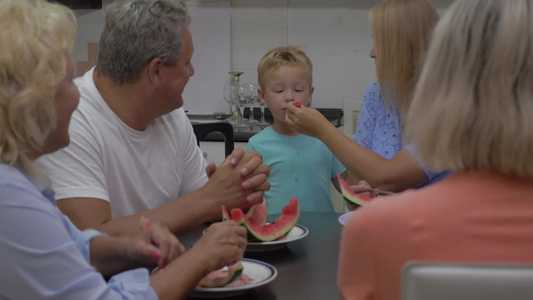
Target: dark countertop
column 334, row 115
column 307, row 268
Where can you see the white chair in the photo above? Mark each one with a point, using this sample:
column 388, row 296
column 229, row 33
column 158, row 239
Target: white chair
column 476, row 281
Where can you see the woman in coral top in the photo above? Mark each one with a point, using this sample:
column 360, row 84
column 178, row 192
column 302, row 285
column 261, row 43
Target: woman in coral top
column 471, row 113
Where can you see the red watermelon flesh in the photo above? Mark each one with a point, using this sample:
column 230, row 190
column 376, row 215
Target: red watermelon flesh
column 350, row 195
column 273, row 230
column 258, row 214
column 225, row 214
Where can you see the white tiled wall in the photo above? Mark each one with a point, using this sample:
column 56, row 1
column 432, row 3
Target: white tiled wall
column 335, row 33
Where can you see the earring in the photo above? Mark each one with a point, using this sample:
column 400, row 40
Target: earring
column 308, row 104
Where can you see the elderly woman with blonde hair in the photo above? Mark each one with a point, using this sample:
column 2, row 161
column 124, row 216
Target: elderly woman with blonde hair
column 43, row 255
column 471, row 113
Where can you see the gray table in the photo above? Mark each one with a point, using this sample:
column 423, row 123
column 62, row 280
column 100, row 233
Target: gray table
column 307, row 268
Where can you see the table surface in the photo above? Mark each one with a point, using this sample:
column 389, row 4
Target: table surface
column 307, row 268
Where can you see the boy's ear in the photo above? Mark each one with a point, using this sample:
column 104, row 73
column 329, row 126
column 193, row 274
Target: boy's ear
column 310, row 96
column 261, row 95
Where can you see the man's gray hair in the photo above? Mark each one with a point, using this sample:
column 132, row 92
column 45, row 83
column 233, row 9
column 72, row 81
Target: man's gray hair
column 137, row 31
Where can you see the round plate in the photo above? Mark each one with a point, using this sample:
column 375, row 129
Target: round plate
column 260, row 272
column 296, row 233
column 344, row 217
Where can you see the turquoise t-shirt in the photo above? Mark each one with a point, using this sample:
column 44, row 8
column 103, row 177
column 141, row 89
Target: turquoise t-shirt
column 300, row 166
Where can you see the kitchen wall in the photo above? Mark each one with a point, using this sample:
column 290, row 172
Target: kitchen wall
column 335, row 33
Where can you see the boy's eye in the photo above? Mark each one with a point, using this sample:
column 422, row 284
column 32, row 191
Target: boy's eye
column 278, row 91
column 299, row 91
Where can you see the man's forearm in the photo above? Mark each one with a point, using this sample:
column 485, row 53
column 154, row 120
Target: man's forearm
column 179, row 216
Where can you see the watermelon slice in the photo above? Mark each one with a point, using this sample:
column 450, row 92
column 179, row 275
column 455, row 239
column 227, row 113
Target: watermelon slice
column 222, row 277
column 297, row 104
column 273, row 230
column 350, row 195
column 258, row 214
column 225, row 214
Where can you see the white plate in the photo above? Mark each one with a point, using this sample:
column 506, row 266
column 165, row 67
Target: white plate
column 260, row 272
column 296, row 233
column 344, row 217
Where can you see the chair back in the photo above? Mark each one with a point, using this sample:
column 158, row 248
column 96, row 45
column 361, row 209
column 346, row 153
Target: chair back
column 201, row 130
column 467, row 281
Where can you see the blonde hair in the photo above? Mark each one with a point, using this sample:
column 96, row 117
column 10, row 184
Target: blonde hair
column 473, row 106
column 281, row 56
column 401, row 30
column 36, row 38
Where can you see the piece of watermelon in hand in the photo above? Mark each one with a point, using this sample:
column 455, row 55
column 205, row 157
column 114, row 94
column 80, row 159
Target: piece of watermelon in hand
column 222, row 277
column 350, row 195
column 297, row 104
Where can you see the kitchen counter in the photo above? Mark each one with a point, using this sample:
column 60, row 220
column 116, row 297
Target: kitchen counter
column 334, row 115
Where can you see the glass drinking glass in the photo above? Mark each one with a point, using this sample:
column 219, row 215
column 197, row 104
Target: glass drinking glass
column 262, row 122
column 242, row 96
column 229, row 96
column 254, row 99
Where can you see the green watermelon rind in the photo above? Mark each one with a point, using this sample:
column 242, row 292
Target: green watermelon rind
column 234, row 272
column 349, row 194
column 274, row 230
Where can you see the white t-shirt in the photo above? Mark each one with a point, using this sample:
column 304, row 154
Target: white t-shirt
column 133, row 170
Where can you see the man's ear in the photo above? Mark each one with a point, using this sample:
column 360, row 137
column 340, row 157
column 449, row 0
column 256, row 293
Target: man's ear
column 154, row 71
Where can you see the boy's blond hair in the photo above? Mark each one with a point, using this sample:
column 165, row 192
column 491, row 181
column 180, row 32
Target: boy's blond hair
column 473, row 106
column 281, row 56
column 401, row 30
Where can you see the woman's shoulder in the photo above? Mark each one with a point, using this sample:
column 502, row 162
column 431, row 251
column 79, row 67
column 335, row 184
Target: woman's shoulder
column 10, row 175
column 14, row 184
column 373, row 90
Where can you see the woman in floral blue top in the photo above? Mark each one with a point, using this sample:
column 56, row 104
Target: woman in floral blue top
column 401, row 31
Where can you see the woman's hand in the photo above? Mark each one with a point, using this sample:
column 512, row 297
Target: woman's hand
column 156, row 245
column 223, row 244
column 308, row 121
column 362, row 187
